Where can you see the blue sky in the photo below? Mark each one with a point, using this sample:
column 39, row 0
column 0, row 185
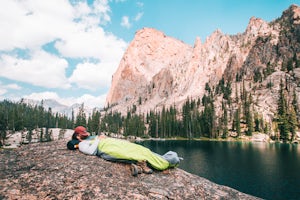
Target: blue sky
column 69, row 50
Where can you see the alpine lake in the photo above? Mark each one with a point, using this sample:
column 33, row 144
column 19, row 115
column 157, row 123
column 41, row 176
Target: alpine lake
column 265, row 170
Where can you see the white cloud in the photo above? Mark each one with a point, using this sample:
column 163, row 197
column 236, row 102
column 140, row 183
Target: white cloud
column 42, row 69
column 94, row 42
column 93, row 76
column 92, row 101
column 2, row 91
column 86, row 39
column 138, row 16
column 125, row 22
column 30, row 24
column 102, row 8
column 140, row 4
column 76, row 31
column 89, row 16
column 13, row 86
column 4, row 88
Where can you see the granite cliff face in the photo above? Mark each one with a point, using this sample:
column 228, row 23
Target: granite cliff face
column 158, row 70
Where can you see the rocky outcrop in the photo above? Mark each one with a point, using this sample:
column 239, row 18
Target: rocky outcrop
column 50, row 171
column 158, row 70
column 148, row 55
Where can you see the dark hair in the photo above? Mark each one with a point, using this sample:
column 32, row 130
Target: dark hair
column 74, row 136
column 72, row 144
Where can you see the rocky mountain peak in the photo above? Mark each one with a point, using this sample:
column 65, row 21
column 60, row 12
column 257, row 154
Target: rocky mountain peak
column 292, row 14
column 296, row 16
column 146, row 33
column 197, row 43
column 257, row 27
column 149, row 53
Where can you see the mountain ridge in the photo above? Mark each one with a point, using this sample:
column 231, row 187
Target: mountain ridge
column 57, row 107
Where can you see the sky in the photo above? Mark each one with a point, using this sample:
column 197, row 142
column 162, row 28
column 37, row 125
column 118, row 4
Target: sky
column 68, row 50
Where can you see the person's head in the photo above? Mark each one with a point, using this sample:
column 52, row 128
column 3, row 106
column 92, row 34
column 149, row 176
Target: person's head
column 80, row 133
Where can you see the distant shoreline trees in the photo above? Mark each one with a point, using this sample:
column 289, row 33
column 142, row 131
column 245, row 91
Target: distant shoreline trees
column 19, row 116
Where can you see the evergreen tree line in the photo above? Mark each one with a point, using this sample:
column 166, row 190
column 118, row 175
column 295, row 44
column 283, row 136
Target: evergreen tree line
column 286, row 115
column 26, row 118
column 23, row 117
column 198, row 118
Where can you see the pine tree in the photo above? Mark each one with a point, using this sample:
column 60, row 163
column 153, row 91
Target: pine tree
column 258, row 123
column 198, row 128
column 212, row 118
column 290, row 65
column 236, row 94
column 73, row 119
column 47, row 134
column 270, row 84
column 186, row 118
column 292, row 122
column 248, row 114
column 225, row 121
column 249, row 121
column 266, row 128
column 41, row 115
column 208, row 117
column 163, row 123
column 283, row 124
column 151, row 118
column 238, row 121
column 174, row 123
column 94, row 123
column 295, row 102
column 81, row 117
column 227, row 92
column 207, row 87
column 157, row 126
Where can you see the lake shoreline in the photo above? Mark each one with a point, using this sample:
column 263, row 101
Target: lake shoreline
column 257, row 137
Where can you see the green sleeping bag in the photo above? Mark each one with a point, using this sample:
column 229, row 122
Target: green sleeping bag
column 124, row 150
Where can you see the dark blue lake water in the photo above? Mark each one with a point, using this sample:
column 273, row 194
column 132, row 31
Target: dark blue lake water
column 269, row 171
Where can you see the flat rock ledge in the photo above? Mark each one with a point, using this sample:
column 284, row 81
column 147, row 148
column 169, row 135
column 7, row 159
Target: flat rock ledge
column 50, row 171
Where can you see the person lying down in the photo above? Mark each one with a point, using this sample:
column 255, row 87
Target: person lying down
column 141, row 158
